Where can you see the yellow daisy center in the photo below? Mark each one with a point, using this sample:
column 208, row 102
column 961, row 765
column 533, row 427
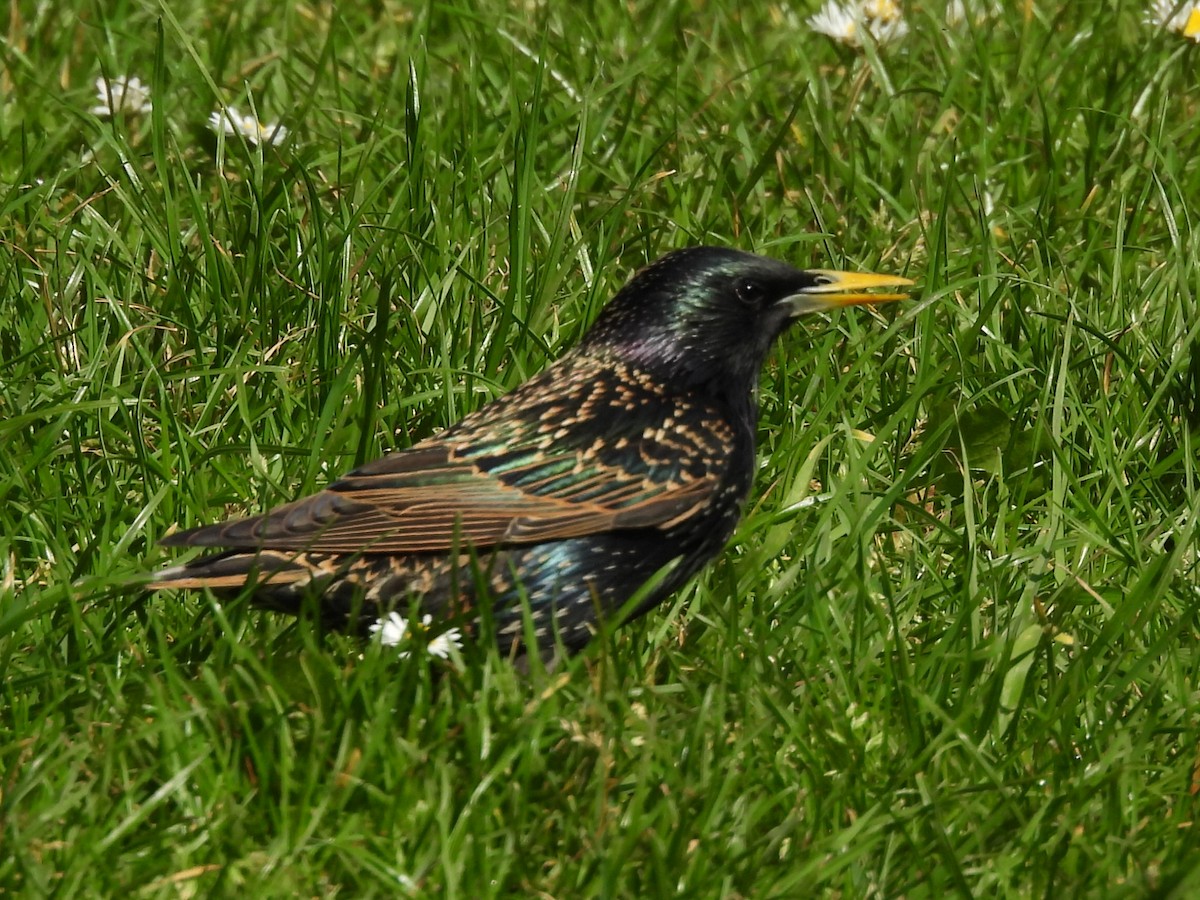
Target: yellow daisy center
column 1191, row 28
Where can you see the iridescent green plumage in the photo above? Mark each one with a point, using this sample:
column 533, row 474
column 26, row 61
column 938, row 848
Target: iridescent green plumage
column 630, row 456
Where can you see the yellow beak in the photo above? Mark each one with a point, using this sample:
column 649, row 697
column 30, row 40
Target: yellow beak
column 834, row 289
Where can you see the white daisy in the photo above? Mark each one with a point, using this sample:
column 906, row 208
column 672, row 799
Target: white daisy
column 121, row 95
column 393, row 630
column 837, row 21
column 445, row 643
column 232, row 122
column 1173, row 15
column 881, row 20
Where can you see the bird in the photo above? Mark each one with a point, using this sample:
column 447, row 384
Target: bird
column 582, row 498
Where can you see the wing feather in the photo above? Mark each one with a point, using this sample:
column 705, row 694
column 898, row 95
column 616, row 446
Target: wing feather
column 499, row 479
column 421, row 503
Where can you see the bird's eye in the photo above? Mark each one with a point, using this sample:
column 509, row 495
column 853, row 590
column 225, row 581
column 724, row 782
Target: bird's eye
column 749, row 292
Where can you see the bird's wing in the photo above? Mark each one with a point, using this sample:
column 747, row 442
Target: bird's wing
column 442, row 495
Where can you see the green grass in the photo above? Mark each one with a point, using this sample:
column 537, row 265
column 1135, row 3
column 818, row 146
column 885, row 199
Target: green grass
column 952, row 648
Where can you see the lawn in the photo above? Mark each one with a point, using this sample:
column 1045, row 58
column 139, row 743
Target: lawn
column 951, row 649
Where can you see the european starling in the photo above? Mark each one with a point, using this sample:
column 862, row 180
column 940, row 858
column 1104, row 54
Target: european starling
column 629, row 458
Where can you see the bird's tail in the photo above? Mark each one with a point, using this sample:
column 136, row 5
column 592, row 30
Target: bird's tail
column 235, row 569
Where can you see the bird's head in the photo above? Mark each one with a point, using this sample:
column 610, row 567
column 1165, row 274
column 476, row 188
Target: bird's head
column 711, row 313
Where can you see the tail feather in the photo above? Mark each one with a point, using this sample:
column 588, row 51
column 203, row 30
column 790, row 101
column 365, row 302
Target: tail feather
column 237, row 568
column 282, row 580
